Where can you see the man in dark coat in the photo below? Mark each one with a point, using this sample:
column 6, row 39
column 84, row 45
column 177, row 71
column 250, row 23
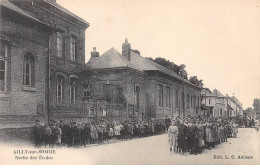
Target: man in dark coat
column 146, row 129
column 70, row 134
column 64, row 134
column 136, row 129
column 194, row 138
column 182, row 138
column 189, row 135
column 126, row 128
column 37, row 132
column 87, row 133
column 82, row 134
column 76, row 134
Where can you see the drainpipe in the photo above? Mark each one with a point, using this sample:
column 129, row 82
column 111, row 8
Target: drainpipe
column 49, row 76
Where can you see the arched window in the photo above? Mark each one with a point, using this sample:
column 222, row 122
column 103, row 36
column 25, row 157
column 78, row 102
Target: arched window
column 73, row 84
column 29, row 69
column 60, row 88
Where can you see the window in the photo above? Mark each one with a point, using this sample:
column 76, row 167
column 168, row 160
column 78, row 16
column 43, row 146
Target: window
column 2, row 74
column 209, row 101
column 91, row 111
column 131, row 110
column 86, row 93
column 73, row 47
column 28, row 75
column 60, row 83
column 182, row 99
column 168, row 97
column 188, row 100
column 60, row 44
column 194, row 101
column 191, row 100
column 176, row 98
column 3, row 66
column 137, row 97
column 161, row 95
column 73, row 90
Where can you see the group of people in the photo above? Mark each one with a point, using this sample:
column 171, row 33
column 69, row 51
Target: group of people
column 73, row 134
column 193, row 135
column 246, row 122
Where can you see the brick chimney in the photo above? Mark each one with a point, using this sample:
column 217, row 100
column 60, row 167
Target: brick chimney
column 94, row 53
column 126, row 49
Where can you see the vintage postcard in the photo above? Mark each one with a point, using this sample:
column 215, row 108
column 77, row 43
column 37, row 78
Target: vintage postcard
column 129, row 82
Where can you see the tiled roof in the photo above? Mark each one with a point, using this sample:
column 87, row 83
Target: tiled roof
column 110, row 59
column 113, row 59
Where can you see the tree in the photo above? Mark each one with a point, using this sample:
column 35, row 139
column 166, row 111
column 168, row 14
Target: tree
column 167, row 64
column 194, row 80
column 182, row 72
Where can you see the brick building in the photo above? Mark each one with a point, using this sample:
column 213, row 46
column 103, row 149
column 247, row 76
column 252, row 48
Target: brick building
column 129, row 86
column 42, row 56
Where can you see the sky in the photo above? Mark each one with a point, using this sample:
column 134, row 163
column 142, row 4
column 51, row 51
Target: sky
column 217, row 40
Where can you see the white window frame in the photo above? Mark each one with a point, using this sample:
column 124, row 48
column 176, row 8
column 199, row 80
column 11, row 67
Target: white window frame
column 29, row 74
column 5, row 74
column 59, row 97
column 137, row 97
column 73, row 48
column 160, row 95
column 4, row 58
column 176, row 103
column 25, row 74
column 91, row 109
column 168, row 96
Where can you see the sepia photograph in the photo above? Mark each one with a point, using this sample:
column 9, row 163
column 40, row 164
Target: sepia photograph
column 130, row 82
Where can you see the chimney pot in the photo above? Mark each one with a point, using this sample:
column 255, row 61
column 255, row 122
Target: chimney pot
column 94, row 53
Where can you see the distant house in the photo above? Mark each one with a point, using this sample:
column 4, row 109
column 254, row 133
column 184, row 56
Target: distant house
column 236, row 106
column 215, row 104
column 215, row 101
column 132, row 87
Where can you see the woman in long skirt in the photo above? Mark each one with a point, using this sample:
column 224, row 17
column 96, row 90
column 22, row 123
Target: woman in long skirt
column 234, row 129
column 173, row 135
column 201, row 136
column 209, row 137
